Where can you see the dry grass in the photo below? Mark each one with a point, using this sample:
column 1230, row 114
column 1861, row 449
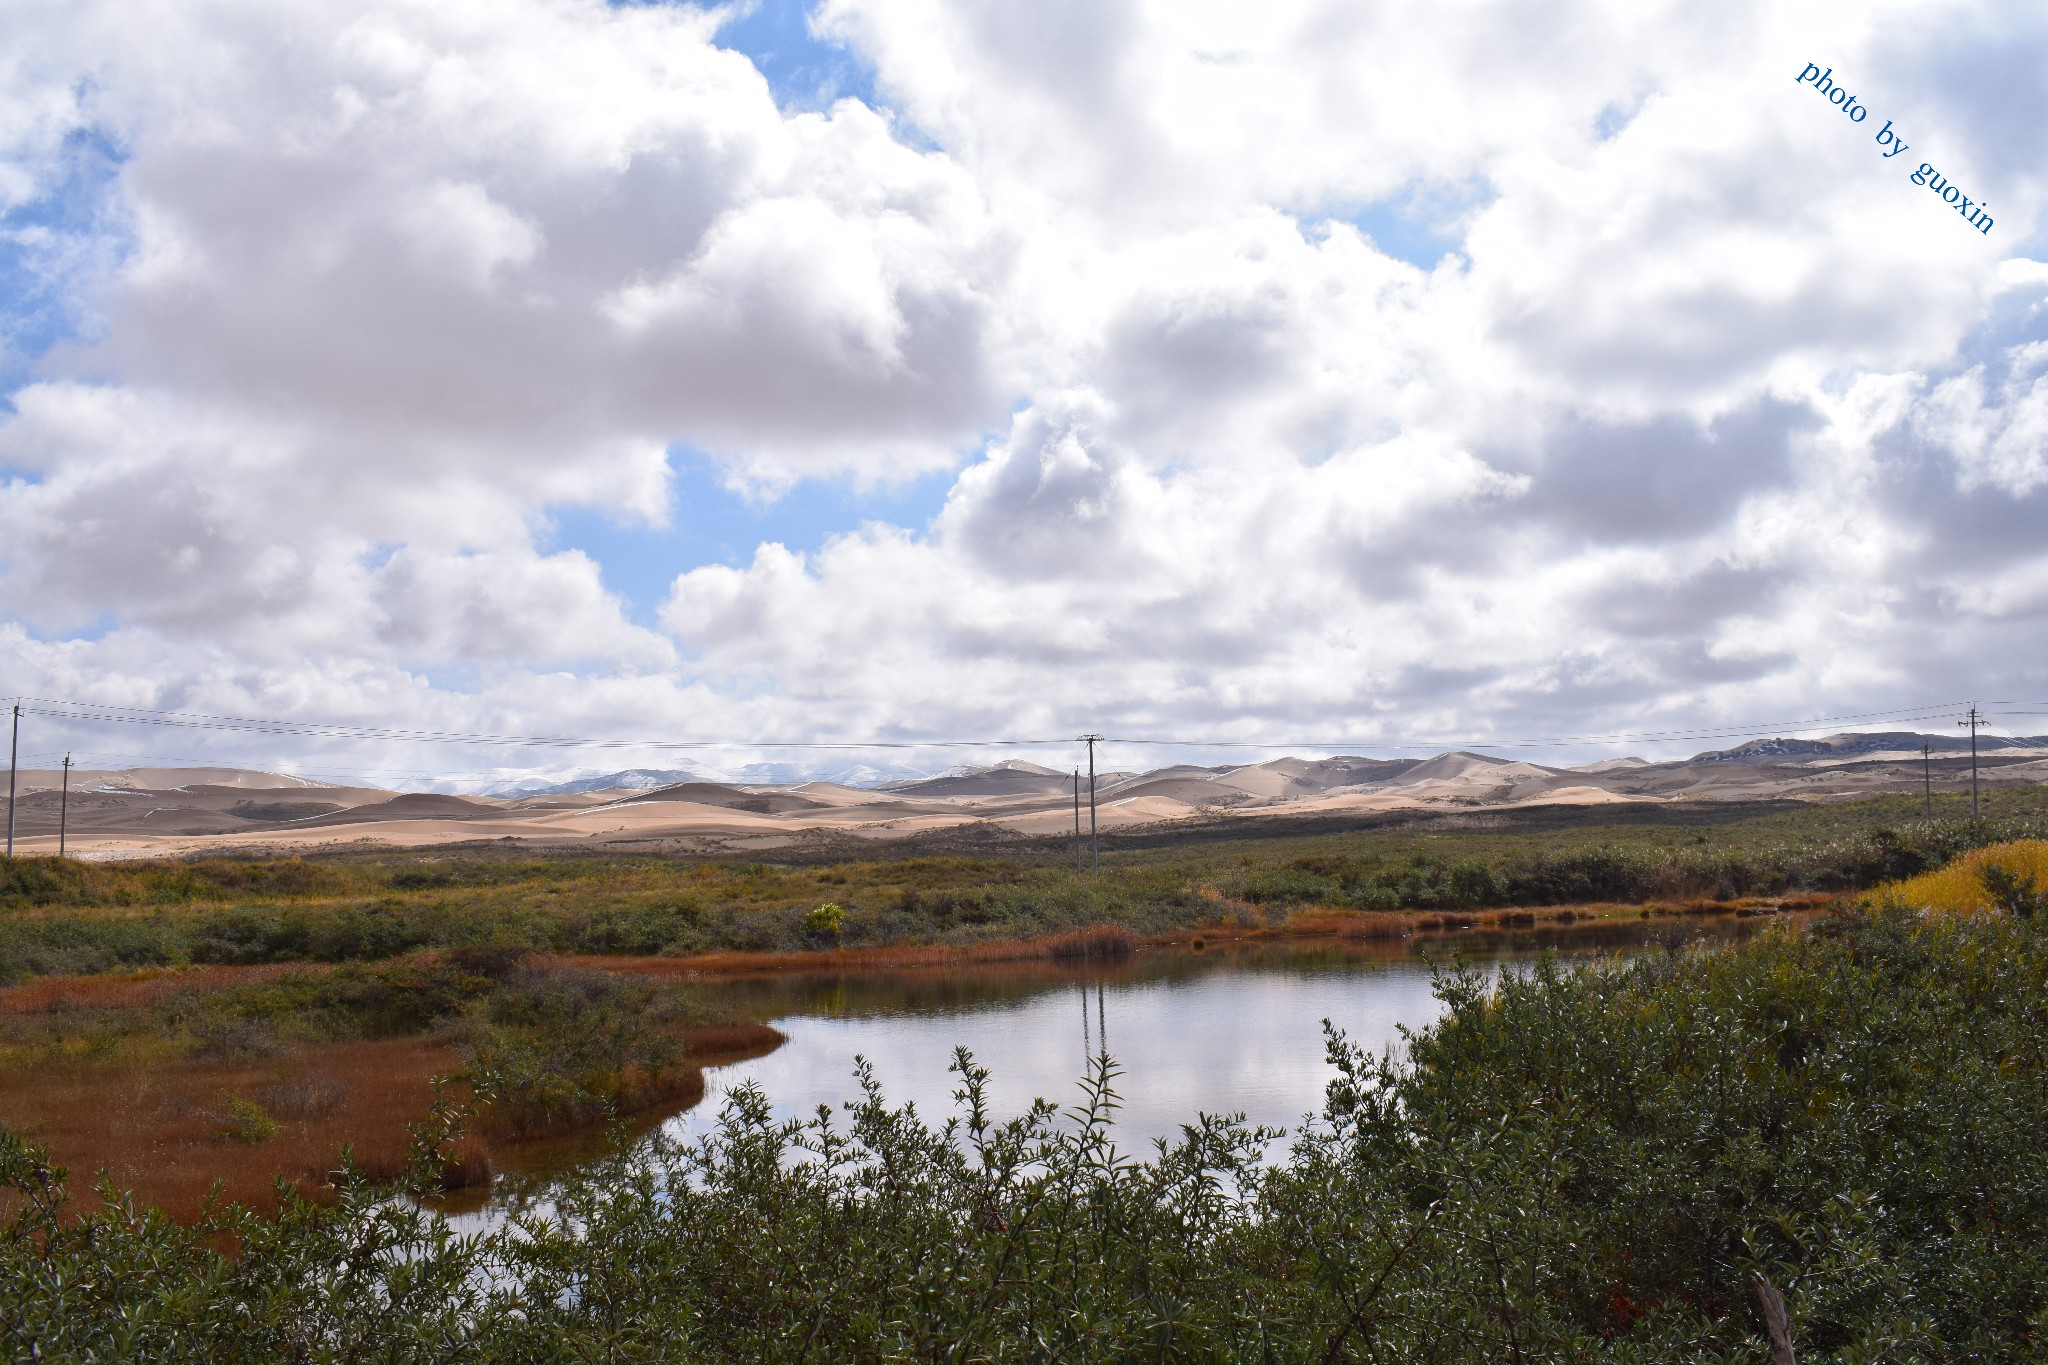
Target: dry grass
column 1959, row 886
column 1103, row 942
column 168, row 1133
column 137, row 989
column 1099, row 942
column 721, row 1044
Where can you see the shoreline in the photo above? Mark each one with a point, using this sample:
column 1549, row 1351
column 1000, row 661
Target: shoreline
column 1308, row 923
column 1097, row 942
column 156, row 1128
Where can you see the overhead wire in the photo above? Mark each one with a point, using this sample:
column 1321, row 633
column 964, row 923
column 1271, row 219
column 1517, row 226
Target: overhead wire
column 97, row 713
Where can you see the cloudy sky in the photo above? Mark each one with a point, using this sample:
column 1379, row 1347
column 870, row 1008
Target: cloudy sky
column 1391, row 372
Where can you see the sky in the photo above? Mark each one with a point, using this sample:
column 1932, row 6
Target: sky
column 1315, row 373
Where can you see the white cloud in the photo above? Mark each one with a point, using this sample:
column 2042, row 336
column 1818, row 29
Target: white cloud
column 1709, row 415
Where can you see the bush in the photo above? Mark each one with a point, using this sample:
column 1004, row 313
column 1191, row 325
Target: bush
column 825, row 922
column 2012, row 892
column 244, row 1120
column 552, row 1049
column 1594, row 1163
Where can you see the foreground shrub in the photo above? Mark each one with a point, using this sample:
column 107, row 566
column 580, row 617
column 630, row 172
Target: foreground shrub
column 1586, row 1164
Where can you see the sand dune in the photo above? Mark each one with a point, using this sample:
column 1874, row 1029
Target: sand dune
column 182, row 810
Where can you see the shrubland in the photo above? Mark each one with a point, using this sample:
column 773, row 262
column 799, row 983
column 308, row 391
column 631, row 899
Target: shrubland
column 63, row 917
column 1601, row 1161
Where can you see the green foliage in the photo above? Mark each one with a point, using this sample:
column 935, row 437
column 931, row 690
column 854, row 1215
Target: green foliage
column 244, row 1120
column 59, row 881
column 2013, row 892
column 550, row 1038
column 63, row 917
column 1582, row 1164
column 826, row 921
column 1548, row 874
column 551, row 1049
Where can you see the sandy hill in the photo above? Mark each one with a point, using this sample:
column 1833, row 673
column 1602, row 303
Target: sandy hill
column 999, row 781
column 728, row 798
column 186, row 809
column 1610, row 765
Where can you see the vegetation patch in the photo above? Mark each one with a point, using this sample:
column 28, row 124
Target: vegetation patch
column 1620, row 1161
column 63, row 917
column 2001, row 876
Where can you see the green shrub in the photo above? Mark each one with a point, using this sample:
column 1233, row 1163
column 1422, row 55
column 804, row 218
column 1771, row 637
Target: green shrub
column 2013, row 892
column 244, row 1120
column 1585, row 1164
column 825, row 921
column 553, row 1048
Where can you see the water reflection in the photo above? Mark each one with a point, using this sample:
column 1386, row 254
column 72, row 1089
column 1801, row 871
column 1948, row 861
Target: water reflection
column 1223, row 1031
column 1233, row 1029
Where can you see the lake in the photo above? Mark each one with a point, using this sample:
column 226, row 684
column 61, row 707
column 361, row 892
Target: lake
column 1225, row 1030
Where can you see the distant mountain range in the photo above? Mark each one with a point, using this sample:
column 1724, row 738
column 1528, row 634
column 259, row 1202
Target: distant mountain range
column 1015, row 775
column 648, row 779
column 692, row 807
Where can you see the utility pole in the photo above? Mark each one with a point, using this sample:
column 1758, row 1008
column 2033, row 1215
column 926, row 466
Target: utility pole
column 1927, row 774
column 64, row 806
column 1094, row 844
column 13, row 758
column 1077, row 833
column 1976, row 719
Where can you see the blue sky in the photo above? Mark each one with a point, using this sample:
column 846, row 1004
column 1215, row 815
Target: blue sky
column 803, row 71
column 49, row 246
column 711, row 523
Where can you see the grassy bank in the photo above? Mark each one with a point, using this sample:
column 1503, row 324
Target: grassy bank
column 171, row 1081
column 1595, row 1163
column 70, row 917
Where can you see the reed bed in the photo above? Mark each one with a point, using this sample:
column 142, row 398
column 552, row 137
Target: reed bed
column 1960, row 885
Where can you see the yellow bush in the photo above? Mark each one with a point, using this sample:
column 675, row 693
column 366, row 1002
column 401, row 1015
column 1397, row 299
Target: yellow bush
column 1960, row 885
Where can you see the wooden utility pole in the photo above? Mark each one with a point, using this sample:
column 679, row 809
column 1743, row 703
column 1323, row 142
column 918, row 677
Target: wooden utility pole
column 13, row 760
column 1077, row 837
column 1094, row 843
column 1976, row 719
column 1927, row 774
column 64, row 806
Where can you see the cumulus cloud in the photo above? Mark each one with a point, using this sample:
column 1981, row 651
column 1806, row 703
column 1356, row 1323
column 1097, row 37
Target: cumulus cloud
column 1707, row 414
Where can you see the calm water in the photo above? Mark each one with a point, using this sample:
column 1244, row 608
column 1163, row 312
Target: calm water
column 1223, row 1031
column 1242, row 1032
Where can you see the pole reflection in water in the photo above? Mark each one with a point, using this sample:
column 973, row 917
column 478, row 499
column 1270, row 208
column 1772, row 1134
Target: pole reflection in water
column 1219, row 1032
column 1228, row 1038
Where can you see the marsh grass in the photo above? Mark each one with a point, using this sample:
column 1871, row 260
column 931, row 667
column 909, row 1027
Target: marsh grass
column 293, row 1065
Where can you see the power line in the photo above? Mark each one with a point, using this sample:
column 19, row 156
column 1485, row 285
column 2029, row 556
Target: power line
column 127, row 715
column 90, row 713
